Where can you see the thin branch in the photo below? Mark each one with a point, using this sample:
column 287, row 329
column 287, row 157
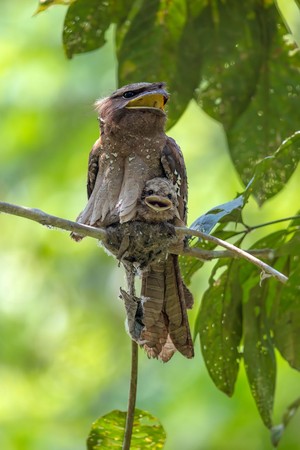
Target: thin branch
column 134, row 371
column 237, row 251
column 208, row 255
column 52, row 221
column 250, row 228
column 132, row 396
column 272, row 222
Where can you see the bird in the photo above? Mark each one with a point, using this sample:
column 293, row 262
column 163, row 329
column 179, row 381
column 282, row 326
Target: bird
column 127, row 153
column 132, row 151
column 158, row 202
column 164, row 295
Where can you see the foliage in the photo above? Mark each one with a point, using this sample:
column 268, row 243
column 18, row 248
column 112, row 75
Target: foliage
column 107, row 432
column 235, row 73
column 246, row 77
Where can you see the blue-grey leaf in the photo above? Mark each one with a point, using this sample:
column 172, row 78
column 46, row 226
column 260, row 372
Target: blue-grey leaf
column 226, row 212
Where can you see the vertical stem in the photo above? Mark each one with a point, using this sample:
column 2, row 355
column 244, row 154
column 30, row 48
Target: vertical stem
column 134, row 372
column 132, row 396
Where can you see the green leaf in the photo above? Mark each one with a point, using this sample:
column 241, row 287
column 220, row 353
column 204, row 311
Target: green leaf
column 272, row 113
column 259, row 312
column 259, row 357
column 160, row 45
column 282, row 302
column 85, row 25
column 272, row 173
column 45, row 4
column 250, row 82
column 285, row 314
column 232, row 57
column 108, row 432
column 219, row 324
column 189, row 266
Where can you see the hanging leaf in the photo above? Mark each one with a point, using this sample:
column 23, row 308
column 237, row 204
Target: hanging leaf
column 232, row 57
column 160, row 45
column 246, row 68
column 87, row 21
column 85, row 25
column 219, row 324
column 108, row 432
column 267, row 121
column 259, row 357
column 285, row 315
column 283, row 301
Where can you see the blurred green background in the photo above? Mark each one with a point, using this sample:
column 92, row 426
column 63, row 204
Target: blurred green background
column 64, row 353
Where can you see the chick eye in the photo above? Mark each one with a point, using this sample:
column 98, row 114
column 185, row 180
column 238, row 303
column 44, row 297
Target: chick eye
column 128, row 94
column 150, row 192
column 169, row 196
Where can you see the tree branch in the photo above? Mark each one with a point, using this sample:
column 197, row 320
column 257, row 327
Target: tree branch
column 209, row 255
column 52, row 221
column 132, row 396
column 98, row 233
column 266, row 269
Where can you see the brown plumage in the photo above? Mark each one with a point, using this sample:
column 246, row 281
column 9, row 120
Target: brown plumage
column 127, row 154
column 164, row 295
column 132, row 151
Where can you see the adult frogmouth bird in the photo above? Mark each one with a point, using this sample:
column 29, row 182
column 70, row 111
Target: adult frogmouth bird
column 127, row 154
column 132, row 150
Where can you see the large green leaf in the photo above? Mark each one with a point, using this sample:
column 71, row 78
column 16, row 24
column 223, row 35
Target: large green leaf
column 283, row 302
column 85, row 24
column 259, row 357
column 232, row 57
column 286, row 323
column 219, row 324
column 160, row 45
column 285, row 313
column 273, row 111
column 250, row 82
column 108, row 432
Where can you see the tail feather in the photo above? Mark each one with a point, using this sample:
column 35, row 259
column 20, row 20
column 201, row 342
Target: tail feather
column 155, row 332
column 165, row 315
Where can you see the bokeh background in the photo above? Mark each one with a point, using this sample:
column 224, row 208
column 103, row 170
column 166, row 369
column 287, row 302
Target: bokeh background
column 64, row 353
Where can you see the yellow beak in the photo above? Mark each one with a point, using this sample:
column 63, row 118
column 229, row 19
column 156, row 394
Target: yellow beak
column 158, row 203
column 156, row 101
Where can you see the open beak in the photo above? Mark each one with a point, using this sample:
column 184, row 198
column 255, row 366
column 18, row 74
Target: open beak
column 158, row 203
column 155, row 100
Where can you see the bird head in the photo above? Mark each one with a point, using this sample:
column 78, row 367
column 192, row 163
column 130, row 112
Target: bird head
column 134, row 108
column 158, row 201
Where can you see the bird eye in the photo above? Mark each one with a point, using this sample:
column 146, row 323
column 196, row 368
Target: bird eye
column 169, row 196
column 128, row 94
column 150, row 192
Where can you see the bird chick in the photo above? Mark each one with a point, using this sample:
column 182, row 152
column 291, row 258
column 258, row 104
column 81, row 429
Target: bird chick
column 158, row 202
